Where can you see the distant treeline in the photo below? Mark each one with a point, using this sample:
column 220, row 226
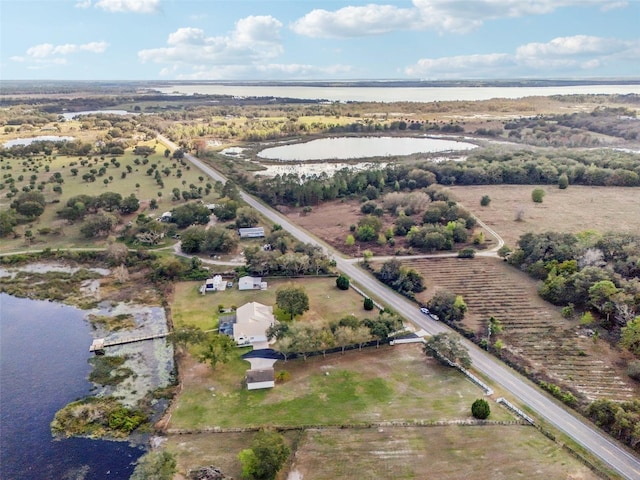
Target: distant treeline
column 487, row 167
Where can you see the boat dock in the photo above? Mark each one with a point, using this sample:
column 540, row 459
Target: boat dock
column 100, row 344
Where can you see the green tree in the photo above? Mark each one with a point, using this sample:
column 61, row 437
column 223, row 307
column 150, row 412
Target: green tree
column 246, row 217
column 186, row 335
column 7, row 222
column 630, row 338
column 293, row 300
column 448, row 306
column 129, row 205
column 342, row 282
column 265, row 458
column 217, row 350
column 98, row 225
column 155, row 465
column 480, row 409
column 485, row 200
column 350, row 241
column 447, row 349
column 537, row 195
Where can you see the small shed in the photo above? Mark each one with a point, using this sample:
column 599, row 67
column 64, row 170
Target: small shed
column 257, row 379
column 215, row 284
column 251, row 283
column 253, row 232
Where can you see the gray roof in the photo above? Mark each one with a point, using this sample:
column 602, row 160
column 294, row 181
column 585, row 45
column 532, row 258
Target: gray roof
column 257, row 376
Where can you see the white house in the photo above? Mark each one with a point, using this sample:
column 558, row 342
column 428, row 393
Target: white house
column 252, row 321
column 251, row 283
column 215, row 284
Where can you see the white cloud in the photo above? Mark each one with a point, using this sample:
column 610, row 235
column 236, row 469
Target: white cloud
column 558, row 56
column 440, row 15
column 134, row 6
column 49, row 54
column 354, row 21
column 255, row 39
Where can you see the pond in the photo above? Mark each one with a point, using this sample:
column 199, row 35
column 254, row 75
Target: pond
column 44, row 349
column 344, row 148
column 72, row 115
column 41, row 138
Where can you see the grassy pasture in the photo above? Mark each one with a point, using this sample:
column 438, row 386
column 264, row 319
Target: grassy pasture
column 435, row 452
column 576, row 209
column 373, row 385
column 143, row 186
column 190, row 307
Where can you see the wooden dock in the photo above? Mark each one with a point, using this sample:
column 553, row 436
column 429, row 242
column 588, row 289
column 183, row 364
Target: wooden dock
column 100, row 344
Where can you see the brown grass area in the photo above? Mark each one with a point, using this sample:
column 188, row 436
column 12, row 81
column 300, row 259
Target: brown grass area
column 576, row 209
column 452, row 452
column 330, row 221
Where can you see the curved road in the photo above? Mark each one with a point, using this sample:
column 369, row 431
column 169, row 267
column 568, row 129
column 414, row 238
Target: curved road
column 581, row 431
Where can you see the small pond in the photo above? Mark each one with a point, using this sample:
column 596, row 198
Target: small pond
column 41, row 138
column 72, row 115
column 344, row 148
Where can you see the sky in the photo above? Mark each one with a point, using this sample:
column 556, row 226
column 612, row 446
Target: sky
column 318, row 39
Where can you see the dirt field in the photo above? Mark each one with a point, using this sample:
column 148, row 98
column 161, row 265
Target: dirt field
column 547, row 344
column 576, row 209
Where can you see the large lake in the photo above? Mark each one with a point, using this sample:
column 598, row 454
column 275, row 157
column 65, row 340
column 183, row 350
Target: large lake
column 344, row 148
column 44, row 348
column 394, row 94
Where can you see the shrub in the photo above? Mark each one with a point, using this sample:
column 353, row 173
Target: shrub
column 467, row 253
column 633, row 370
column 563, row 181
column 480, row 409
column 485, row 200
column 537, row 195
column 342, row 282
column 368, row 304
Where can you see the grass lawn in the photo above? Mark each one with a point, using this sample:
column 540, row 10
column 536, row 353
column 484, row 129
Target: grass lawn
column 373, row 385
column 190, row 307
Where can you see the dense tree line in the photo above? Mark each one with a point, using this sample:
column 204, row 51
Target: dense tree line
column 485, row 167
column 592, row 272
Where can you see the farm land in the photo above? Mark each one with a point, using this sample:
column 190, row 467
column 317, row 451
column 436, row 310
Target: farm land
column 375, row 389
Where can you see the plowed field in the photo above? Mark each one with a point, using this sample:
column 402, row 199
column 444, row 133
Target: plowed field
column 534, row 331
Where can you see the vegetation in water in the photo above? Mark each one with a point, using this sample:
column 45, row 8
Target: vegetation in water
column 97, row 417
column 108, row 370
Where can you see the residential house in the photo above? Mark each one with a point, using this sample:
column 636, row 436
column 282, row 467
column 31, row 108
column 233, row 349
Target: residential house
column 251, row 283
column 252, row 321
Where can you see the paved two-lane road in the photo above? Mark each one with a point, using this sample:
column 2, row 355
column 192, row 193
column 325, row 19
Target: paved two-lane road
column 579, row 430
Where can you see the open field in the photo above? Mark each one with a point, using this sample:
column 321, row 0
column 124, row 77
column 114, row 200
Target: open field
column 326, row 302
column 373, row 385
column 576, row 209
column 435, row 452
column 63, row 234
column 534, row 331
column 444, row 452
